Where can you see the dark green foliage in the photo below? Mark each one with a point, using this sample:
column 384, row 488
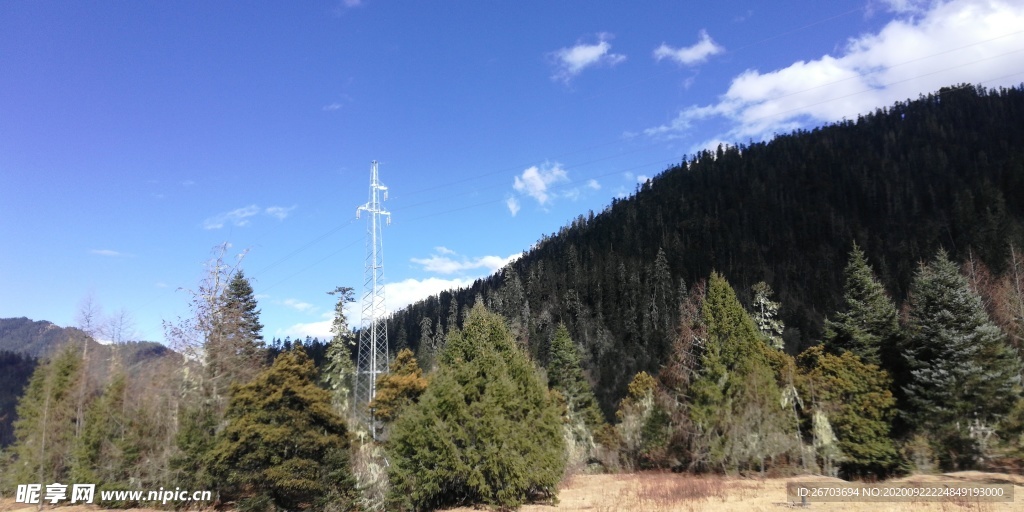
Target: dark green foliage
column 855, row 398
column 566, row 375
column 961, row 368
column 736, row 406
column 339, row 371
column 241, row 303
column 108, row 449
column 45, row 429
column 195, row 439
column 284, row 446
column 15, row 372
column 235, row 350
column 867, row 323
column 942, row 168
column 485, row 431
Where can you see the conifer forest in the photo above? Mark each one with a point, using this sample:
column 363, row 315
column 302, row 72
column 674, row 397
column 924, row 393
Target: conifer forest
column 846, row 301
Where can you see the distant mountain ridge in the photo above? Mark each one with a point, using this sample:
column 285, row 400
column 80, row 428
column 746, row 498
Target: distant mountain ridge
column 944, row 170
column 36, row 338
column 24, row 343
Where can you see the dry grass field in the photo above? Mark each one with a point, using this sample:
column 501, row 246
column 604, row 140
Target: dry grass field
column 668, row 492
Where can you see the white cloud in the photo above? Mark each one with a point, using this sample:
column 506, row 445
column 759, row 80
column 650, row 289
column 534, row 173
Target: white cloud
column 298, row 305
column 905, row 5
column 449, row 262
column 443, row 250
column 241, row 216
column 109, row 252
column 642, row 178
column 332, row 107
column 403, row 293
column 593, row 184
column 571, row 61
column 535, row 181
column 397, row 296
column 960, row 41
column 279, row 211
column 690, row 55
column 321, row 329
column 513, row 205
column 237, row 217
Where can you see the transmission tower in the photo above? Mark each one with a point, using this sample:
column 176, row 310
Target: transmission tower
column 373, row 334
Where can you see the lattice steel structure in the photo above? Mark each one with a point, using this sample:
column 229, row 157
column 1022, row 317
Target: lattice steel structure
column 372, row 359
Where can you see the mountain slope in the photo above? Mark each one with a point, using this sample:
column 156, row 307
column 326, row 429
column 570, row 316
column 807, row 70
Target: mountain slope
column 945, row 170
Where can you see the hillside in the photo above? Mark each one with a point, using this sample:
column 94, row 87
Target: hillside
column 35, row 338
column 23, row 342
column 944, row 170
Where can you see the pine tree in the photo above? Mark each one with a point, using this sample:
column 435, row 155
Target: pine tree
column 643, row 426
column 867, row 325
column 565, row 374
column 582, row 417
column 961, row 368
column 855, row 398
column 736, row 402
column 485, row 431
column 45, row 428
column 108, row 448
column 339, row 372
column 284, row 447
column 766, row 315
column 236, row 352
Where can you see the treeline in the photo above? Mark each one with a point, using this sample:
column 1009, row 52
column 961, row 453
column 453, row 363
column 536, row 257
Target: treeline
column 933, row 385
column 265, row 428
column 945, row 170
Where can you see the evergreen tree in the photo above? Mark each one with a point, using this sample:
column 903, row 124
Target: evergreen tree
column 582, row 417
column 284, row 447
column 45, row 428
column 736, row 402
column 855, row 399
column 961, row 368
column 236, row 351
column 339, row 373
column 766, row 315
column 399, row 388
column 485, row 431
column 867, row 324
column 108, row 449
column 643, row 427
column 565, row 374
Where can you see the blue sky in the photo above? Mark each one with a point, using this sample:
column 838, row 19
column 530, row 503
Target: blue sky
column 137, row 136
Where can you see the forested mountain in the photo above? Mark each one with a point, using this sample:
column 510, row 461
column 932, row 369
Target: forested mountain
column 943, row 171
column 35, row 338
column 23, row 342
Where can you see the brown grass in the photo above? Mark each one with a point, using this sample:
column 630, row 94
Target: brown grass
column 668, row 492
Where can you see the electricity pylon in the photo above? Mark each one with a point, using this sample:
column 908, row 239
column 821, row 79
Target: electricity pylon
column 373, row 334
